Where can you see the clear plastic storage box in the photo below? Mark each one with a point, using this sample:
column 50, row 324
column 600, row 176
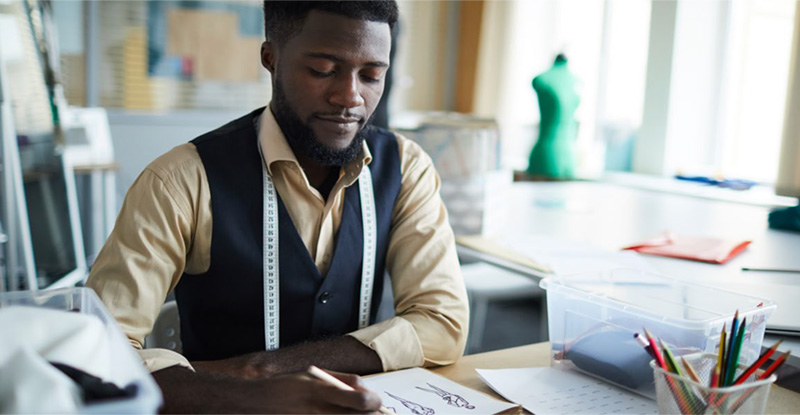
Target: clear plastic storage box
column 592, row 320
column 126, row 366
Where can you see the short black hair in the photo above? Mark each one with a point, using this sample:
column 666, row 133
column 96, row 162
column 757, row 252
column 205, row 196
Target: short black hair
column 283, row 19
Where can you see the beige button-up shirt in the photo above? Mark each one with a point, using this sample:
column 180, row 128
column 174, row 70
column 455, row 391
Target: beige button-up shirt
column 164, row 231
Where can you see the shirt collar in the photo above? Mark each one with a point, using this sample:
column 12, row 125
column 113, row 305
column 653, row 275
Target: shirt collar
column 276, row 149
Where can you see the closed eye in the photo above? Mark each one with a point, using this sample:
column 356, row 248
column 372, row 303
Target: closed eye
column 370, row 80
column 319, row 74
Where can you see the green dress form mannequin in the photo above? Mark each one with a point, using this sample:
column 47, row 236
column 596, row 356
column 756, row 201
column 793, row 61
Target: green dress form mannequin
column 553, row 155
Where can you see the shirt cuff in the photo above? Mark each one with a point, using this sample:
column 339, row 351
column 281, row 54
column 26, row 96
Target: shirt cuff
column 395, row 341
column 157, row 359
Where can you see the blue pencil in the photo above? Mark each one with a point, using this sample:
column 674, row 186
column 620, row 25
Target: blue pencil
column 731, row 344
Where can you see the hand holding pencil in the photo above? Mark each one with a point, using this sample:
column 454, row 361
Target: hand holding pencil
column 330, row 379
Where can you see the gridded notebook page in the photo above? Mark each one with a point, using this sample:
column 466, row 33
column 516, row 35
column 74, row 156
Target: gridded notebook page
column 545, row 390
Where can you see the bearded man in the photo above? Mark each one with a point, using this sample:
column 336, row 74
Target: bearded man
column 275, row 231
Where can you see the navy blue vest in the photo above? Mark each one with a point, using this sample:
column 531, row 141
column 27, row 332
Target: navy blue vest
column 222, row 310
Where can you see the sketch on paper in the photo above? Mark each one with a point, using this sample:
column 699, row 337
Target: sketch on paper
column 416, row 408
column 451, row 398
column 426, row 393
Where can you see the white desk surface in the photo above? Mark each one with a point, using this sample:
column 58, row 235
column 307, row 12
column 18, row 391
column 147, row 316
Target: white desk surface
column 612, row 216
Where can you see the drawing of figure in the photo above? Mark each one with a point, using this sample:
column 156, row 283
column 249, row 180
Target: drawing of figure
column 416, row 408
column 451, row 398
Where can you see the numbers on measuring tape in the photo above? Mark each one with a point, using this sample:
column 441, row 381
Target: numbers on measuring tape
column 271, row 242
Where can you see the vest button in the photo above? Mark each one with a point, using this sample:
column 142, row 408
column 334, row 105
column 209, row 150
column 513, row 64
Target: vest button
column 323, row 298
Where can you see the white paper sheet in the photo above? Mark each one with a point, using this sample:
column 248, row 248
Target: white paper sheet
column 421, row 392
column 545, row 390
column 567, row 256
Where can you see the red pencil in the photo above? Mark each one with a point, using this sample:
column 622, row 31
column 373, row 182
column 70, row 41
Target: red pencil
column 775, row 365
column 715, row 378
column 656, row 352
column 761, row 360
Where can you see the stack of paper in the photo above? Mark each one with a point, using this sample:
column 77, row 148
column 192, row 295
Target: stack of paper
column 545, row 390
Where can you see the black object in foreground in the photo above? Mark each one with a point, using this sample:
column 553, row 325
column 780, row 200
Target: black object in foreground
column 93, row 388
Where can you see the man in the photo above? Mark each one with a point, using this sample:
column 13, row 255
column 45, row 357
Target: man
column 275, row 231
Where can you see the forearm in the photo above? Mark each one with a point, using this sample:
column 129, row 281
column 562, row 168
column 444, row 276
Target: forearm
column 341, row 354
column 185, row 391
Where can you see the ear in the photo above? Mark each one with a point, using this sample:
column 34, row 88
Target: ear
column 268, row 57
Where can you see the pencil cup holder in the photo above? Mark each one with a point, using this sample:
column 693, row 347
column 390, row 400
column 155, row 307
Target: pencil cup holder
column 681, row 395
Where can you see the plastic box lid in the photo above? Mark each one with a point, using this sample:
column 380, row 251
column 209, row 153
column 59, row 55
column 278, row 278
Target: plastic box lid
column 659, row 298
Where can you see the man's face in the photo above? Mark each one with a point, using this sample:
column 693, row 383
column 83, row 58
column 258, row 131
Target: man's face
column 327, row 81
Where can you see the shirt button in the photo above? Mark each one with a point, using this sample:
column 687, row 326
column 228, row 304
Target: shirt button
column 323, row 298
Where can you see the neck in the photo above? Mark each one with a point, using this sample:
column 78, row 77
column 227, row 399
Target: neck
column 319, row 176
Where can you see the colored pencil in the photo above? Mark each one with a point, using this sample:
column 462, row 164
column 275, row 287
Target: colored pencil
column 671, row 362
column 775, row 365
column 656, row 352
column 690, row 370
column 737, row 350
column 715, row 378
column 767, row 373
column 721, row 356
column 729, row 348
column 761, row 360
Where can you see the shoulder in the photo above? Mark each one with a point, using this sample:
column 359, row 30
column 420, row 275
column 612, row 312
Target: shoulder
column 181, row 172
column 412, row 156
column 176, row 162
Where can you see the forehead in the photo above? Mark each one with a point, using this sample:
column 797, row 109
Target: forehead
column 343, row 36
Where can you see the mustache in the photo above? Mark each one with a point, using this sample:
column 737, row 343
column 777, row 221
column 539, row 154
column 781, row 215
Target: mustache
column 343, row 114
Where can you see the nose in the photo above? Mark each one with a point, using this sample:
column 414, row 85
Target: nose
column 346, row 93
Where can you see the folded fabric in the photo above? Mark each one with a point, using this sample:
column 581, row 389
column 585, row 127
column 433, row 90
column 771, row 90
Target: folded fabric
column 30, row 385
column 32, row 336
column 78, row 340
column 787, row 219
column 704, row 249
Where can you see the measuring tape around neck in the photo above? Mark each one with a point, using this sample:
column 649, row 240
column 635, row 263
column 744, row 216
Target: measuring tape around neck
column 271, row 271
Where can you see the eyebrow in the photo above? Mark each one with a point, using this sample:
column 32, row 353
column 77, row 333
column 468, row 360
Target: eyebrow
column 339, row 59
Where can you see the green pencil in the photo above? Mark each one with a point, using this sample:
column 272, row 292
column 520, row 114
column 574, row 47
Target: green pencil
column 730, row 374
column 671, row 362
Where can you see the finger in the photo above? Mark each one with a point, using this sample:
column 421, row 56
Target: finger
column 351, row 380
column 357, row 400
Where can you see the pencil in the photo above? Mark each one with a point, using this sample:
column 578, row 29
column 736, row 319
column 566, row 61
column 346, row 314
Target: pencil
column 767, row 373
column 721, row 357
column 761, row 360
column 729, row 349
column 737, row 350
column 715, row 378
column 656, row 352
column 686, row 395
column 327, row 377
column 671, row 362
column 775, row 365
column 690, row 370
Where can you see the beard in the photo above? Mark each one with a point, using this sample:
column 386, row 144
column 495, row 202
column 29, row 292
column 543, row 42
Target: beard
column 301, row 137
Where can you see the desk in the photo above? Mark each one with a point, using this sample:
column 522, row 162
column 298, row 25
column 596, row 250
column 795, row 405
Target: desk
column 612, row 216
column 781, row 401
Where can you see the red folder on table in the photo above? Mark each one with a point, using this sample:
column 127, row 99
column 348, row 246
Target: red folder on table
column 696, row 248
